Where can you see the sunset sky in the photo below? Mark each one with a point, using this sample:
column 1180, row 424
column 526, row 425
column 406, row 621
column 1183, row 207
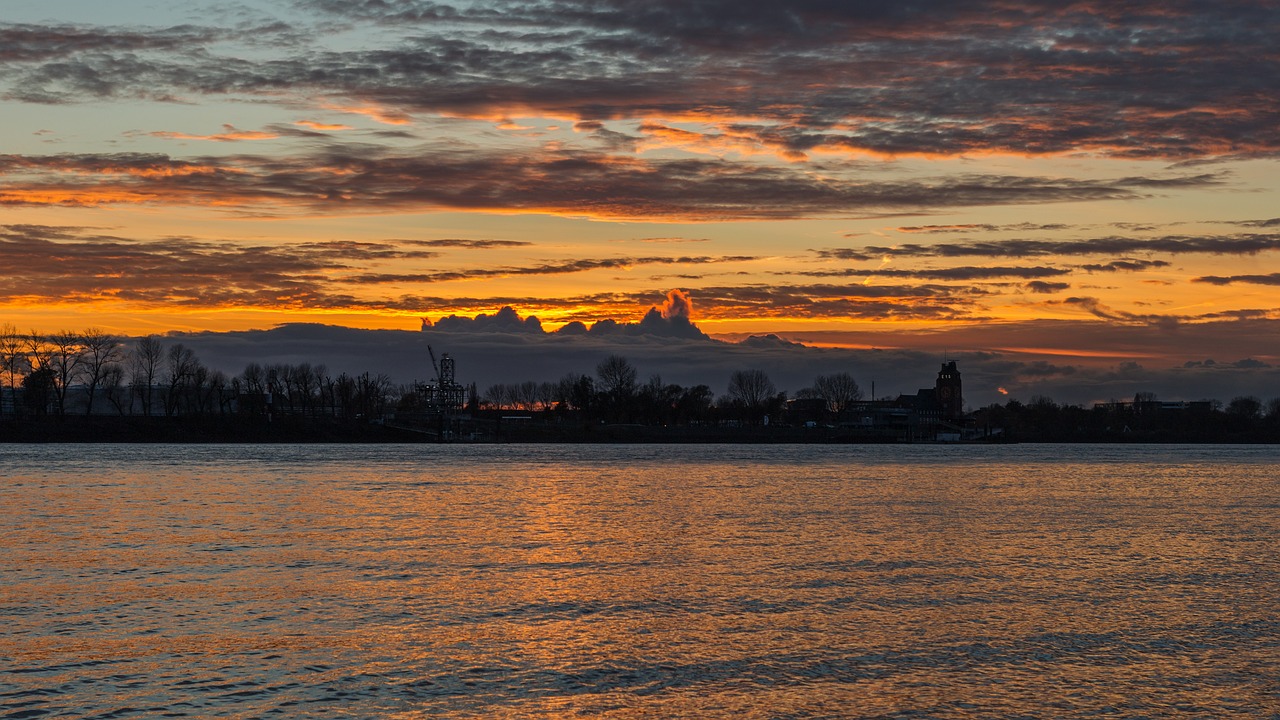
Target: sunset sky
column 1085, row 179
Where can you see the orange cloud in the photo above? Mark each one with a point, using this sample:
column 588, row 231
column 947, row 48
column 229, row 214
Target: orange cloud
column 229, row 134
column 322, row 126
column 386, row 116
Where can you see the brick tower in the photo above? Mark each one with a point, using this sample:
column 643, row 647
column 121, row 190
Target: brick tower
column 948, row 391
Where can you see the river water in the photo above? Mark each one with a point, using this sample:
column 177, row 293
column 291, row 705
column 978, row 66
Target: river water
column 146, row 581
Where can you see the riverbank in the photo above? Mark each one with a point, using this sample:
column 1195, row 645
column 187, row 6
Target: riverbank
column 136, row 429
column 295, row 429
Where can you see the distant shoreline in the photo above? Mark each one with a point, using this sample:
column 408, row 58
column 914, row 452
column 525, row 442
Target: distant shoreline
column 257, row 430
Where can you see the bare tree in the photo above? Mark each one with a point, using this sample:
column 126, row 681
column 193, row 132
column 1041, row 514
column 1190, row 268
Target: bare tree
column 617, row 377
column 39, row 351
column 144, row 369
column 101, row 353
column 291, row 378
column 276, row 377
column 65, row 358
column 210, row 386
column 752, row 390
column 254, row 381
column 181, row 367
column 617, row 388
column 304, row 385
column 319, row 380
column 113, row 387
column 372, row 394
column 13, row 360
column 838, row 390
column 751, row 387
column 657, row 401
column 344, row 395
column 496, row 395
column 197, row 392
column 527, row 392
column 547, row 394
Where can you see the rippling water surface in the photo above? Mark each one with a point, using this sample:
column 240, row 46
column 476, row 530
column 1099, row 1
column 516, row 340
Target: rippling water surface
column 639, row 581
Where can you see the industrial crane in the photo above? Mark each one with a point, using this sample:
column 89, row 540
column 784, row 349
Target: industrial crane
column 434, row 365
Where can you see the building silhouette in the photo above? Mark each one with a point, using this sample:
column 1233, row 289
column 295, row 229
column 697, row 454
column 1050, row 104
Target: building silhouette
column 947, row 392
column 934, row 414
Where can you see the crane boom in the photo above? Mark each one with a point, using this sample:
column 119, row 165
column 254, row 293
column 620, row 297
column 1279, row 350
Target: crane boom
column 434, row 365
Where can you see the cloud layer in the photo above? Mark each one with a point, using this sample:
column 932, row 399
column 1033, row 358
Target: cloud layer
column 1146, row 79
column 907, row 166
column 346, row 178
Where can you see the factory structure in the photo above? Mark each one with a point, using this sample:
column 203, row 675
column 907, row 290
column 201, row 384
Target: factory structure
column 441, row 408
column 444, row 394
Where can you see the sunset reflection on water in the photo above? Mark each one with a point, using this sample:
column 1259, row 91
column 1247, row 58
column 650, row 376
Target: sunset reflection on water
column 638, row 581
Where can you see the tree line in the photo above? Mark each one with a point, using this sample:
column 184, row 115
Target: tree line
column 77, row 373
column 66, row 372
column 614, row 394
column 1242, row 419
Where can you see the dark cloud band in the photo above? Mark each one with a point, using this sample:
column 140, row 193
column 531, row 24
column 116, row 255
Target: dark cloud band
column 565, row 182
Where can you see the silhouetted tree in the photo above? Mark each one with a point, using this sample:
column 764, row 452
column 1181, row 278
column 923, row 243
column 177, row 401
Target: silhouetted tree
column 753, row 391
column 694, row 405
column 38, row 390
column 344, row 390
column 839, row 391
column 181, row 372
column 617, row 376
column 617, row 386
column 280, row 379
column 656, row 402
column 255, row 380
column 144, row 367
column 13, row 360
column 65, row 356
column 114, row 388
column 1246, row 408
column 101, row 352
column 372, row 395
column 526, row 395
column 578, row 391
column 547, row 394
column 496, row 395
column 319, row 380
column 300, row 385
column 39, row 351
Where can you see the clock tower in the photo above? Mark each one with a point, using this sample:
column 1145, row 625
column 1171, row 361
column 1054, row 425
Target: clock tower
column 948, row 392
